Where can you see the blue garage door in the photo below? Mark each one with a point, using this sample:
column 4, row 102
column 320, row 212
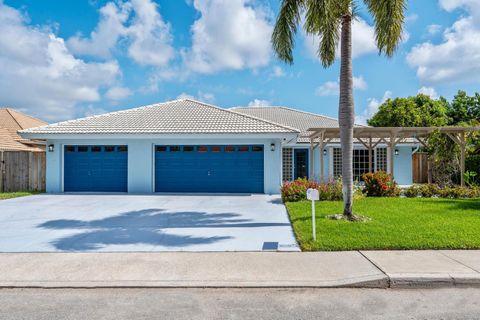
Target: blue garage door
column 95, row 168
column 222, row 169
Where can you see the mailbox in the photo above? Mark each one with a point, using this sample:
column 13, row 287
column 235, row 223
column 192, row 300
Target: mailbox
column 312, row 194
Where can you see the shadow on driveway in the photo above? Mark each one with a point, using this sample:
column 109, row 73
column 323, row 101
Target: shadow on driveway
column 146, row 227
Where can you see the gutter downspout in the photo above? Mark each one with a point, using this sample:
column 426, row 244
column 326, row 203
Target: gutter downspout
column 2, row 169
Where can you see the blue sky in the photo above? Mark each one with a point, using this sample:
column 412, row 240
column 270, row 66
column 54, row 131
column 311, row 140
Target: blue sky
column 66, row 59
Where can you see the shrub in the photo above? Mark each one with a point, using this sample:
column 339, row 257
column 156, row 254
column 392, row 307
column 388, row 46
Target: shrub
column 297, row 190
column 330, row 191
column 472, row 164
column 412, row 191
column 433, row 190
column 380, row 184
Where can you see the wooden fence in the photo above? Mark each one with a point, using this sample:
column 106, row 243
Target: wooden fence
column 22, row 171
column 420, row 167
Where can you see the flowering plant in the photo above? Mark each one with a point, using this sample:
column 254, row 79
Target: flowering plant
column 380, row 184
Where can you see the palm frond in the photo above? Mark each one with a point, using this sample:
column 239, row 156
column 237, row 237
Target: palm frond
column 389, row 16
column 283, row 36
column 322, row 19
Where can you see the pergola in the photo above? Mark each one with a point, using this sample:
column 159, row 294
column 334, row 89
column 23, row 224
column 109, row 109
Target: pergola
column 371, row 137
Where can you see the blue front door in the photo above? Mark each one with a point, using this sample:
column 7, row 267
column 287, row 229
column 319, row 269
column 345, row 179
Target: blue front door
column 204, row 168
column 95, row 168
column 300, row 163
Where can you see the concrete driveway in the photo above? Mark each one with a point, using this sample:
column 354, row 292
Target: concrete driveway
column 120, row 222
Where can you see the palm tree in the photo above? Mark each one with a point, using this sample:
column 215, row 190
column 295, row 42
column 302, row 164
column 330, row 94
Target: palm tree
column 331, row 21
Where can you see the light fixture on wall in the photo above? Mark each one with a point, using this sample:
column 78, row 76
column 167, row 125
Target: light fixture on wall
column 324, row 152
column 272, row 147
column 51, row 147
column 397, row 152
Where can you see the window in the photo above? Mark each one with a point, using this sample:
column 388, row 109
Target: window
column 337, row 162
column 229, row 148
column 287, row 154
column 69, row 149
column 174, row 148
column 381, row 159
column 161, row 148
column 257, row 148
column 109, row 148
column 360, row 163
column 83, row 149
column 216, row 149
column 202, row 149
column 96, row 149
column 188, row 149
column 243, row 148
column 122, row 149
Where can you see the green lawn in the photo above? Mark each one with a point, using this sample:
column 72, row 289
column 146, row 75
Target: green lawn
column 396, row 223
column 9, row 195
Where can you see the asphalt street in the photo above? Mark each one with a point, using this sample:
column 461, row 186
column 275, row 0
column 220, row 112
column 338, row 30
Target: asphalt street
column 51, row 304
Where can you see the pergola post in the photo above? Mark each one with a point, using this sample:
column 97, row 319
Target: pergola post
column 392, row 143
column 312, row 158
column 321, row 146
column 370, row 155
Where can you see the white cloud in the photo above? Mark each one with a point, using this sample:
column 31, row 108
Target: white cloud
column 139, row 23
column 40, row 75
column 200, row 96
column 433, row 29
column 278, row 72
column 259, row 103
column 332, row 88
column 105, row 36
column 229, row 35
column 363, row 40
column 429, row 91
column 118, row 93
column 372, row 108
column 456, row 58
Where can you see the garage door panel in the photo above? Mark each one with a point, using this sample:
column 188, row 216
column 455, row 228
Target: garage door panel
column 209, row 169
column 95, row 169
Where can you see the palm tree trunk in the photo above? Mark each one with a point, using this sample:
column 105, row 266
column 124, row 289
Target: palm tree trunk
column 346, row 114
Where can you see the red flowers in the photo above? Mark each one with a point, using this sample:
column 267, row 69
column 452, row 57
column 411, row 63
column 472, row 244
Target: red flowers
column 380, row 184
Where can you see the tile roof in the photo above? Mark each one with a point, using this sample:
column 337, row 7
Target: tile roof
column 10, row 122
column 298, row 119
column 178, row 116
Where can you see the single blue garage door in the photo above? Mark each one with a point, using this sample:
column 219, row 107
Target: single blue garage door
column 95, row 168
column 222, row 169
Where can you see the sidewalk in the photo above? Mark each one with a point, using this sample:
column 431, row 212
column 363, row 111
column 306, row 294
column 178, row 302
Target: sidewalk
column 375, row 269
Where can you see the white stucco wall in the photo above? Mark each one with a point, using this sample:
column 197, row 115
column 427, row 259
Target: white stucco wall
column 141, row 158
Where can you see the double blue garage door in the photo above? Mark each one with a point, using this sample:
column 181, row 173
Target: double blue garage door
column 201, row 168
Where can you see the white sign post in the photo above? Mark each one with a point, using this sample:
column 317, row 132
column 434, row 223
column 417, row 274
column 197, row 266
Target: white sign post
column 312, row 194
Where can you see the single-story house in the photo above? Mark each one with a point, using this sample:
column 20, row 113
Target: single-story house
column 190, row 146
column 11, row 121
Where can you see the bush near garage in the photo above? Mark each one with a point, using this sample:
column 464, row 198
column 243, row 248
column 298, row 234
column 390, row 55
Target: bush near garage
column 330, row 191
column 380, row 184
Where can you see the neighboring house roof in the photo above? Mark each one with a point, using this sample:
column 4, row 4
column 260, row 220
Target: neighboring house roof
column 10, row 122
column 179, row 116
column 298, row 119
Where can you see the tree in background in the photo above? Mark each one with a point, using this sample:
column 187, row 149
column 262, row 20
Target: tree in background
column 418, row 111
column 423, row 111
column 331, row 22
column 465, row 109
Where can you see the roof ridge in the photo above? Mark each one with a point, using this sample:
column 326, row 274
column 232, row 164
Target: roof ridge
column 14, row 119
column 243, row 115
column 23, row 114
column 111, row 113
column 295, row 110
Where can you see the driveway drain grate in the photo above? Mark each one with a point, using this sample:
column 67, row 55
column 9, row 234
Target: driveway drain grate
column 267, row 246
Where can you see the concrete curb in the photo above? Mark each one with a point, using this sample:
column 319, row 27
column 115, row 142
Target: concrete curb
column 379, row 269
